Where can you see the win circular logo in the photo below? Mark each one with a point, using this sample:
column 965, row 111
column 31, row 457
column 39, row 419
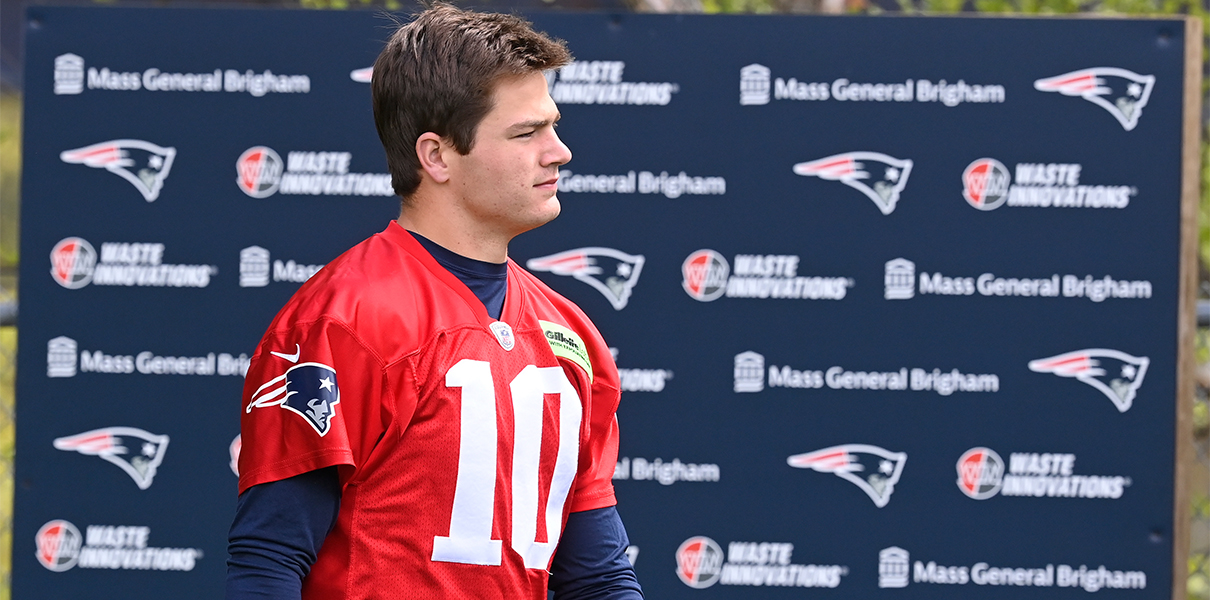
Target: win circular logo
column 980, row 473
column 699, row 562
column 58, row 545
column 259, row 169
column 705, row 275
column 72, row 262
column 985, row 184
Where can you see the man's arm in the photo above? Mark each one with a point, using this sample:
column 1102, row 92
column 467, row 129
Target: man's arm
column 276, row 535
column 590, row 562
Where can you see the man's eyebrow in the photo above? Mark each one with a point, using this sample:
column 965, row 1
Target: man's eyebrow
column 535, row 124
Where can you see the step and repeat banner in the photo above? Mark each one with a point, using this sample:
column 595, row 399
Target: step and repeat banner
column 894, row 301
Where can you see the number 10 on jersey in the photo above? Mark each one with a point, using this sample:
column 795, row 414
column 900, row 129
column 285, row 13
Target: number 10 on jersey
column 470, row 539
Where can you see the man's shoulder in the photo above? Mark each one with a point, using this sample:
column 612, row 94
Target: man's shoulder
column 374, row 290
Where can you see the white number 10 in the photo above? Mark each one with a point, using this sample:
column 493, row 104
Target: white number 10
column 470, row 540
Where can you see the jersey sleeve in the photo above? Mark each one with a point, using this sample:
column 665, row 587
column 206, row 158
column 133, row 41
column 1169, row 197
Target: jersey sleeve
column 312, row 399
column 594, row 484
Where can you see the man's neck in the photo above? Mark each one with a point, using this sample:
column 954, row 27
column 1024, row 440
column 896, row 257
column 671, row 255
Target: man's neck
column 456, row 235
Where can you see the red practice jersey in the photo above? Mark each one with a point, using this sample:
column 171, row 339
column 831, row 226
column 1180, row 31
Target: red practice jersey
column 462, row 442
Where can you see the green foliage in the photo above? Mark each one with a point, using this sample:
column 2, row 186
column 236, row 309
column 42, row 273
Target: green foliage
column 10, row 179
column 346, row 4
column 737, row 6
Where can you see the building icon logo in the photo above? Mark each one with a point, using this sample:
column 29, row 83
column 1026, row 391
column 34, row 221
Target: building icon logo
column 61, row 357
column 69, row 74
column 749, row 372
column 893, row 567
column 754, row 85
column 900, row 279
column 253, row 267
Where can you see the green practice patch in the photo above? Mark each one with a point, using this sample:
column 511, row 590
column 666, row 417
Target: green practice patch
column 567, row 344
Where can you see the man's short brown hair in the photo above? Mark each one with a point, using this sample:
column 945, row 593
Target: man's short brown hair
column 437, row 74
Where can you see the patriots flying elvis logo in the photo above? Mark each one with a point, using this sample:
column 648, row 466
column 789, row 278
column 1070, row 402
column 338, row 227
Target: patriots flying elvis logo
column 308, row 390
column 135, row 451
column 1116, row 374
column 612, row 272
column 875, row 470
column 1123, row 93
column 143, row 164
column 880, row 177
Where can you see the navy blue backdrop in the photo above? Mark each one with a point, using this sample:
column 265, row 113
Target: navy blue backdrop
column 894, row 300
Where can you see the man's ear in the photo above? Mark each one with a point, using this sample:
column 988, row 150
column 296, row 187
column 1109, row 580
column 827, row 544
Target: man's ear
column 431, row 150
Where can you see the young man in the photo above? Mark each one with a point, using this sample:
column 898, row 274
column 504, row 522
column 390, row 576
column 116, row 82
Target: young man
column 425, row 419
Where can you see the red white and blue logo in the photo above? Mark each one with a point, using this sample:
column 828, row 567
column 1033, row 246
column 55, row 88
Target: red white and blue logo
column 875, row 470
column 308, row 390
column 612, row 272
column 880, row 177
column 1123, row 93
column 144, row 164
column 699, row 562
column 1116, row 374
column 58, row 544
column 134, row 450
column 980, row 473
column 259, row 171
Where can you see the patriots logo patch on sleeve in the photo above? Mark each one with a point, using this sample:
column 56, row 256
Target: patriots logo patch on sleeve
column 1123, row 93
column 308, row 390
column 875, row 470
column 135, row 451
column 1116, row 374
column 880, row 177
column 612, row 272
column 143, row 164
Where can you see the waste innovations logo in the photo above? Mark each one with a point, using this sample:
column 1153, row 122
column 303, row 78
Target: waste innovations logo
column 73, row 265
column 137, row 452
column 981, row 475
column 670, row 186
column 600, row 82
column 665, row 472
column 144, row 164
column 612, row 272
column 261, row 173
column 880, row 177
column 1121, row 92
column 73, row 262
column 60, row 547
column 988, row 185
column 895, row 570
column 1112, row 372
column 61, row 361
column 706, row 276
column 750, row 372
column 255, row 269
column 700, row 564
column 757, row 87
column 873, row 469
column 902, row 285
column 71, row 78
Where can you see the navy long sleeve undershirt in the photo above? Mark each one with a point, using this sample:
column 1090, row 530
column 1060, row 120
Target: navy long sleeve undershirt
column 280, row 526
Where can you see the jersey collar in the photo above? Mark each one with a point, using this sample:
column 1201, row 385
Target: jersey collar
column 512, row 298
